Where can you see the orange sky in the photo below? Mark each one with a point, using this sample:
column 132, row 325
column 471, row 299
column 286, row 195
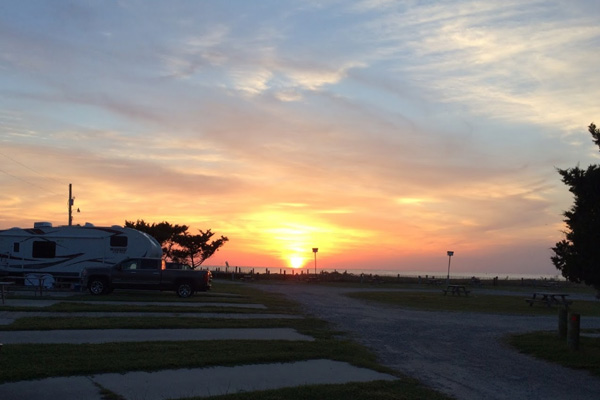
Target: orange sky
column 382, row 134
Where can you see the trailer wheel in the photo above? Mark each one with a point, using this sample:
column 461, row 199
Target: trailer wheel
column 98, row 286
column 184, row 289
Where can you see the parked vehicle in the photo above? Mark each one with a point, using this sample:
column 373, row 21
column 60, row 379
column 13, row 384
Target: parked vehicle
column 145, row 274
column 66, row 250
column 175, row 265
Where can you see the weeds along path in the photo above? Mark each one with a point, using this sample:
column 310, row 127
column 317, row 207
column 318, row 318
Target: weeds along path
column 460, row 354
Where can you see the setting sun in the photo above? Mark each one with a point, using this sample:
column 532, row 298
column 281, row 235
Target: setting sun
column 296, row 262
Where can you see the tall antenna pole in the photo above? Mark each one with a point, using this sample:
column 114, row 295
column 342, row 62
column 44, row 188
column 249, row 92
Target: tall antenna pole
column 70, row 205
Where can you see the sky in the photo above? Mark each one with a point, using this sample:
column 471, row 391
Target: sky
column 384, row 133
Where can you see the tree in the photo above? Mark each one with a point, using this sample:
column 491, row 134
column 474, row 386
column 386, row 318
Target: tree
column 577, row 256
column 163, row 232
column 178, row 245
column 196, row 248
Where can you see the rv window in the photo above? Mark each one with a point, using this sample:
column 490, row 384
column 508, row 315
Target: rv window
column 16, row 247
column 118, row 241
column 44, row 249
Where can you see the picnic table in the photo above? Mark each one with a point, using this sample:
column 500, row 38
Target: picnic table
column 2, row 285
column 549, row 299
column 456, row 290
column 38, row 281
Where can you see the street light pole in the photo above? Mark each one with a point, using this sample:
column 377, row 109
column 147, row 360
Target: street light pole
column 450, row 254
column 315, row 249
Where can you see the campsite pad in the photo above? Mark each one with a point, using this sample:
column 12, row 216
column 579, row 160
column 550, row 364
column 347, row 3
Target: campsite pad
column 201, row 382
column 148, row 335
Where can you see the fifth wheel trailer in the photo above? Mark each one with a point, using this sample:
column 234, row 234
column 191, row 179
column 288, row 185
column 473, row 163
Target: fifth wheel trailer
column 64, row 251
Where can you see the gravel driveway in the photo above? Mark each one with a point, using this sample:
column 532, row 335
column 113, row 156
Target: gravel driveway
column 458, row 353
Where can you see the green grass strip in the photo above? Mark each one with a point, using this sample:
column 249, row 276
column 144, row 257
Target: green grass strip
column 34, row 361
column 309, row 326
column 402, row 389
column 484, row 303
column 548, row 346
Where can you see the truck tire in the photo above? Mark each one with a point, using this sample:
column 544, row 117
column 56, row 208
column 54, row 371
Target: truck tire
column 98, row 286
column 184, row 289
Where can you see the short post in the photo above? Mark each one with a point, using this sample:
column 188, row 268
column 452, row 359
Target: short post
column 573, row 334
column 562, row 323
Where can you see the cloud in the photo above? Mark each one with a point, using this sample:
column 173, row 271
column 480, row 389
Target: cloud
column 503, row 60
column 380, row 130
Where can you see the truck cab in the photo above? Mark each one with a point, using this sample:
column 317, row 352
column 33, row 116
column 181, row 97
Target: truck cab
column 145, row 274
column 138, row 273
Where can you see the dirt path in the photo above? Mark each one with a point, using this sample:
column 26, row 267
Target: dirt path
column 460, row 354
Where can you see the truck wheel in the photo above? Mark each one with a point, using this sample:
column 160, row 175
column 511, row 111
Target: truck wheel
column 184, row 289
column 98, row 286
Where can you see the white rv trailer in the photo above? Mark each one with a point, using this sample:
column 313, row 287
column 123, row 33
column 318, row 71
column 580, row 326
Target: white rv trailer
column 66, row 250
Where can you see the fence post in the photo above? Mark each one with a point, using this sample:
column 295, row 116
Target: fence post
column 562, row 323
column 573, row 334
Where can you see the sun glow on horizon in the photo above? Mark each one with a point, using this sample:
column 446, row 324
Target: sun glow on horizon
column 296, row 262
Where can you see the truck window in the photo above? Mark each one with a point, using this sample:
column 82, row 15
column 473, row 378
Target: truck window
column 131, row 264
column 118, row 241
column 44, row 249
column 149, row 264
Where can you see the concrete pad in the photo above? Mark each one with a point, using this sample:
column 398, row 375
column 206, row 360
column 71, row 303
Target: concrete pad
column 47, row 303
column 201, row 382
column 148, row 335
column 8, row 317
column 174, row 304
column 30, row 303
column 181, row 383
column 63, row 388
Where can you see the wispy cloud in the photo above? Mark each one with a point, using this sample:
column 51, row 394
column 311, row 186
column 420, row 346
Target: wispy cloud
column 380, row 131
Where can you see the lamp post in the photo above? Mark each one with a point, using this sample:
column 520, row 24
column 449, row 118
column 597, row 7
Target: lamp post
column 315, row 249
column 450, row 254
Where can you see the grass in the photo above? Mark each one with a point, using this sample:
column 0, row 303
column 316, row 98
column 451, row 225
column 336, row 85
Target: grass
column 485, row 303
column 73, row 307
column 548, row 346
column 36, row 361
column 224, row 293
column 31, row 361
column 402, row 389
column 62, row 323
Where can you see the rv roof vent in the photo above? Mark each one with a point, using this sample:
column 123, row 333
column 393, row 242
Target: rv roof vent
column 42, row 224
column 89, row 225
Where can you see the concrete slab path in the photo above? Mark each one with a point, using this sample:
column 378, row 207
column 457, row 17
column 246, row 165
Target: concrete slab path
column 148, row 335
column 8, row 317
column 200, row 382
column 41, row 303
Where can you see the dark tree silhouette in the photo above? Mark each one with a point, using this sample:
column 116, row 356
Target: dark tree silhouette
column 197, row 248
column 577, row 256
column 177, row 244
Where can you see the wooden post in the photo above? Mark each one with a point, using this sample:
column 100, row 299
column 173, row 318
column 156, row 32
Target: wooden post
column 562, row 323
column 573, row 334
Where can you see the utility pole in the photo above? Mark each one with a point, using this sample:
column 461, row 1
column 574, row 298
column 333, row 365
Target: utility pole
column 70, row 205
column 315, row 249
column 450, row 254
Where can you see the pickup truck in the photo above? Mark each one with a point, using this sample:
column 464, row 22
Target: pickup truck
column 145, row 274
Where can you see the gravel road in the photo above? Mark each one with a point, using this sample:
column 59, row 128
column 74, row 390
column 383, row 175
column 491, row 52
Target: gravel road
column 458, row 353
